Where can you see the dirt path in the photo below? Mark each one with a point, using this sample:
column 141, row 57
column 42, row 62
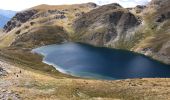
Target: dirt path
column 7, row 79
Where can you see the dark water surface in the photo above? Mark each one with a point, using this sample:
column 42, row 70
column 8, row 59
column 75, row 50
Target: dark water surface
column 87, row 61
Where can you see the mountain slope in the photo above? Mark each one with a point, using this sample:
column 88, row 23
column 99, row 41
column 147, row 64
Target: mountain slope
column 43, row 17
column 143, row 29
column 156, row 42
column 146, row 31
column 105, row 25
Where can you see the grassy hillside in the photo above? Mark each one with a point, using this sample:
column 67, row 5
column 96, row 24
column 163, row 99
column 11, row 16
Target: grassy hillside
column 156, row 33
column 42, row 23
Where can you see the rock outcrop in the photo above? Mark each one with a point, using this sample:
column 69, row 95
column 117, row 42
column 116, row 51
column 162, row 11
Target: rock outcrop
column 137, row 10
column 2, row 72
column 19, row 19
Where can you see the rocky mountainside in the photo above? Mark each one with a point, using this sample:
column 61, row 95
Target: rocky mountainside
column 19, row 19
column 143, row 29
column 43, row 24
column 105, row 25
column 137, row 10
column 156, row 33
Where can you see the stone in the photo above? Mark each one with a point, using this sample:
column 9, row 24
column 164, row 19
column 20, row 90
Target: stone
column 18, row 19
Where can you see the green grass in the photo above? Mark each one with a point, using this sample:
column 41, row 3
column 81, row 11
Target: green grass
column 27, row 60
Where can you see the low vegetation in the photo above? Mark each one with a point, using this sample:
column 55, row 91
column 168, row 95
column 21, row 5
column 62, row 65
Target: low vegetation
column 99, row 26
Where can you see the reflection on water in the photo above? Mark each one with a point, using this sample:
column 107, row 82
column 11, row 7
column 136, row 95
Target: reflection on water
column 87, row 61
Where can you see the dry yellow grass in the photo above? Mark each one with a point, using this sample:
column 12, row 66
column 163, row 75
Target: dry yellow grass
column 59, row 7
column 31, row 85
column 6, row 39
column 70, row 12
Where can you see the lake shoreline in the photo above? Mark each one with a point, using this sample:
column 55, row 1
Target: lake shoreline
column 65, row 86
column 80, row 51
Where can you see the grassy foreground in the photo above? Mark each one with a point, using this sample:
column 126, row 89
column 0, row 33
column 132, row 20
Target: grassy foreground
column 28, row 78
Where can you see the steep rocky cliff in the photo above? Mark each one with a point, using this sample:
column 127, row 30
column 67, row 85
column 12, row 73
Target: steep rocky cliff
column 105, row 25
column 19, row 19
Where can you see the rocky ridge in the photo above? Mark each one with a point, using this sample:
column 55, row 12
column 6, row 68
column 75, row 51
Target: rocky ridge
column 19, row 19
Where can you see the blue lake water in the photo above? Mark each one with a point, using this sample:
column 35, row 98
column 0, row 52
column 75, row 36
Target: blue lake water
column 88, row 61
